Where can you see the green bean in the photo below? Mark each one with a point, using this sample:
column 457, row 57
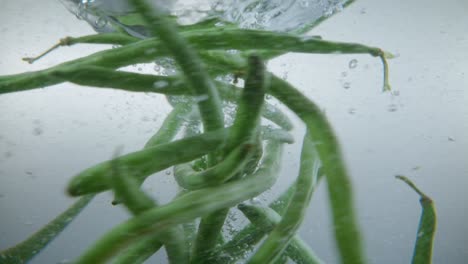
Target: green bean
column 221, row 172
column 187, row 207
column 346, row 228
column 150, row 49
column 104, row 38
column 26, row 250
column 247, row 116
column 128, row 190
column 267, row 220
column 170, row 127
column 279, row 238
column 250, row 104
column 140, row 251
column 245, row 239
column 427, row 226
column 145, row 162
column 190, row 63
column 232, row 93
column 128, row 81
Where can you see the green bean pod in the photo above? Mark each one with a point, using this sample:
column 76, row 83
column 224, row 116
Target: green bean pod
column 267, row 220
column 128, row 190
column 187, row 207
column 170, row 127
column 221, row 172
column 422, row 253
column 139, row 252
column 286, row 229
column 247, row 116
column 26, row 250
column 149, row 49
column 190, row 63
column 147, row 161
column 346, row 229
column 104, row 38
column 96, row 76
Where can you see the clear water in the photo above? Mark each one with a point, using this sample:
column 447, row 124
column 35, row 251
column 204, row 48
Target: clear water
column 277, row 15
column 48, row 135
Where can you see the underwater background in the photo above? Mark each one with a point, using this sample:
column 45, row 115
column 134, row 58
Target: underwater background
column 419, row 130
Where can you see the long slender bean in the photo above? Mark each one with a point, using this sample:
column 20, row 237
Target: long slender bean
column 187, row 207
column 247, row 115
column 26, row 250
column 105, row 38
column 279, row 238
column 190, row 63
column 147, row 161
column 171, row 125
column 128, row 81
column 427, row 226
column 346, row 229
column 221, row 172
column 149, row 49
column 267, row 220
column 140, row 251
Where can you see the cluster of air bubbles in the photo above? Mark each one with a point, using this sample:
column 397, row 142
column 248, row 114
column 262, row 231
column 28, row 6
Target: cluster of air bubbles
column 165, row 66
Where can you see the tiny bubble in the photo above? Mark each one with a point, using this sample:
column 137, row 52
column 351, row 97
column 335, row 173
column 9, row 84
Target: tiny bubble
column 201, row 98
column 168, row 172
column 346, row 85
column 392, row 108
column 37, row 131
column 352, row 63
column 160, row 84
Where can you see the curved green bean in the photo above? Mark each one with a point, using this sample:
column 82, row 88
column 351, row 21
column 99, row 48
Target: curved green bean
column 346, row 229
column 128, row 190
column 170, row 127
column 140, row 251
column 147, row 161
column 187, row 207
column 190, row 63
column 30, row 247
column 221, row 172
column 427, row 226
column 268, row 220
column 247, row 116
column 286, row 229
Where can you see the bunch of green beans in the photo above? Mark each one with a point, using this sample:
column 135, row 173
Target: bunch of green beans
column 218, row 167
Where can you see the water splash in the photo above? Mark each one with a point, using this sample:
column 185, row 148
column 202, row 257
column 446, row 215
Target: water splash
column 275, row 15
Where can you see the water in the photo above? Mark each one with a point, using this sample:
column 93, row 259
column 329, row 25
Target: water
column 424, row 139
column 276, row 15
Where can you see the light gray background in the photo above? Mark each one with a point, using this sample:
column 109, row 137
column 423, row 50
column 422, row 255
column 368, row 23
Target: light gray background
column 48, row 135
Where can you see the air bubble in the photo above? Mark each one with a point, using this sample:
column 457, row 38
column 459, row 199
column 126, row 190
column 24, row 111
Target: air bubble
column 201, row 98
column 160, row 84
column 392, row 108
column 352, row 63
column 346, row 85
